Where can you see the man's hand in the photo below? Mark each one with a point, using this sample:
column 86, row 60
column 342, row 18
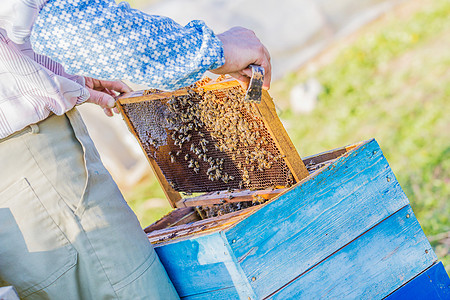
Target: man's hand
column 102, row 93
column 241, row 48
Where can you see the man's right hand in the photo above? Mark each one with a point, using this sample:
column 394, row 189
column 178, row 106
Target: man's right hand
column 242, row 48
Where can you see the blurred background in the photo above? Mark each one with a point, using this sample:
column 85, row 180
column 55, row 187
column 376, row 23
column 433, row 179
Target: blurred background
column 344, row 71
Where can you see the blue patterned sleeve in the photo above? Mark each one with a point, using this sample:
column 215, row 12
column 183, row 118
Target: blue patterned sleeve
column 105, row 40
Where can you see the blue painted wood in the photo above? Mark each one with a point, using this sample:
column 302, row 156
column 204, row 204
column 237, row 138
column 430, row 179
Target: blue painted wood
column 195, row 266
column 432, row 284
column 226, row 293
column 204, row 265
column 311, row 221
column 370, row 267
column 342, row 233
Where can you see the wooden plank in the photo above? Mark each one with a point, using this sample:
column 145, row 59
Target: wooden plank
column 173, row 218
column 206, row 226
column 138, row 96
column 276, row 129
column 229, row 197
column 431, row 284
column 226, row 83
column 318, row 216
column 329, row 155
column 203, row 265
column 172, row 195
column 370, row 267
column 228, row 293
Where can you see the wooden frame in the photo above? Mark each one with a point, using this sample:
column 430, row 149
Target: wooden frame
column 266, row 111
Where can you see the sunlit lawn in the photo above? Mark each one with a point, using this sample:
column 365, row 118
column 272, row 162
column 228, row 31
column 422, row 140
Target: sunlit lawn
column 391, row 82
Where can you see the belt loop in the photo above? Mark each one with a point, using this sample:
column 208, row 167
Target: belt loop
column 34, row 128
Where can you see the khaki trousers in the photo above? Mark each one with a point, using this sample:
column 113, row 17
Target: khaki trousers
column 65, row 230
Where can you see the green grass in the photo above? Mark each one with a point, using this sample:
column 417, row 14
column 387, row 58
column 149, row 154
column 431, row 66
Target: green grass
column 391, row 81
column 148, row 201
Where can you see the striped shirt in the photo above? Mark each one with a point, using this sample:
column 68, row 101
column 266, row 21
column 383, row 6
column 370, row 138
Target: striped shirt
column 100, row 39
column 32, row 86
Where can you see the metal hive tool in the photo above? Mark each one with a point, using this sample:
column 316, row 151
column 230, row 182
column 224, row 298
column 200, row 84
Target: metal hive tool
column 206, row 138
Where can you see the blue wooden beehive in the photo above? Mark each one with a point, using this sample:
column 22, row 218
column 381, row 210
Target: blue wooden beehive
column 347, row 231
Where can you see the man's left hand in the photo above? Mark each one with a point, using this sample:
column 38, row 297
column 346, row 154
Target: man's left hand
column 103, row 92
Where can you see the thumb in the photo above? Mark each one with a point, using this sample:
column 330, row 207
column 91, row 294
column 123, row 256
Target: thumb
column 100, row 98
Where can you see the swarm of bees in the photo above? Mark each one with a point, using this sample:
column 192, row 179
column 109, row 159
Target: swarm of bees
column 211, row 136
column 231, row 129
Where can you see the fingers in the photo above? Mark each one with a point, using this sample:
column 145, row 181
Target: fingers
column 108, row 112
column 264, row 61
column 268, row 69
column 103, row 85
column 111, row 111
column 117, row 86
column 100, row 98
column 244, row 80
column 242, row 48
column 247, row 72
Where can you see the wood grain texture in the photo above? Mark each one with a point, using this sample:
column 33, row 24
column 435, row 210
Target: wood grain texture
column 432, row 284
column 276, row 129
column 176, row 217
column 209, row 225
column 371, row 266
column 229, row 197
column 303, row 226
column 228, row 293
column 172, row 195
column 204, row 265
column 227, row 83
column 329, row 155
column 138, row 96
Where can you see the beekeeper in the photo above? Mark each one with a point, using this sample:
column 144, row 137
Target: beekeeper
column 65, row 230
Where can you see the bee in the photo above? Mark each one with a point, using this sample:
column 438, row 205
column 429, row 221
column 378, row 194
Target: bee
column 172, row 184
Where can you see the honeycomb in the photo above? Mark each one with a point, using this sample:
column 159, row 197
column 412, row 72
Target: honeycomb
column 207, row 141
